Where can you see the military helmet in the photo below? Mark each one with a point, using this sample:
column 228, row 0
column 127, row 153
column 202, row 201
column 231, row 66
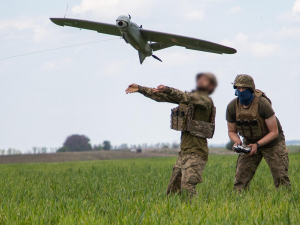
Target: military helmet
column 244, row 80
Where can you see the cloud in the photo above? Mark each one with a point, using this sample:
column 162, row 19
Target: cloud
column 289, row 17
column 296, row 6
column 292, row 16
column 95, row 6
column 289, row 32
column 244, row 44
column 235, row 9
column 38, row 28
column 263, row 50
column 194, row 15
column 105, row 8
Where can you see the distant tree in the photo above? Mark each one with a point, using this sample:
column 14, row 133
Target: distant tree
column 97, row 147
column 76, row 143
column 43, row 150
column 63, row 149
column 16, row 152
column 123, row 146
column 175, row 145
column 53, row 150
column 106, row 145
column 164, row 145
column 229, row 145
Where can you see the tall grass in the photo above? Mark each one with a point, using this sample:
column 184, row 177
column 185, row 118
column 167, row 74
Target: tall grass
column 133, row 192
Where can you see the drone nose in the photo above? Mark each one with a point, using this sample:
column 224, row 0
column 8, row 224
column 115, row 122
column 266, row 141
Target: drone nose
column 121, row 24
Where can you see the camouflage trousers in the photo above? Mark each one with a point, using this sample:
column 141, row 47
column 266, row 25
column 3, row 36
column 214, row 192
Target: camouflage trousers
column 277, row 160
column 187, row 173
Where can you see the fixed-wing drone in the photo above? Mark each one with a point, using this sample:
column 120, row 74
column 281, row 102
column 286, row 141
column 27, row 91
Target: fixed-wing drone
column 144, row 41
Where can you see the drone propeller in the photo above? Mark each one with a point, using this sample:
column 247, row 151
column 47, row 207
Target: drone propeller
column 155, row 57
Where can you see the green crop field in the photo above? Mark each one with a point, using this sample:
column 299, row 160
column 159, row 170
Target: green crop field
column 132, row 191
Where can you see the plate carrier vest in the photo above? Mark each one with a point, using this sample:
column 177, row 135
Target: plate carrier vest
column 248, row 122
column 182, row 120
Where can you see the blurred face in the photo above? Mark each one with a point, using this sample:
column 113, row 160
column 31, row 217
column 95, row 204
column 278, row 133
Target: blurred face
column 241, row 88
column 204, row 84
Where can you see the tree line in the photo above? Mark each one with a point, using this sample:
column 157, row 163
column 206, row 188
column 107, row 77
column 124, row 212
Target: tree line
column 79, row 143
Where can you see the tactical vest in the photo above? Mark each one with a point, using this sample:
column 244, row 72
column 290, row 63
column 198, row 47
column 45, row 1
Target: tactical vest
column 248, row 122
column 182, row 120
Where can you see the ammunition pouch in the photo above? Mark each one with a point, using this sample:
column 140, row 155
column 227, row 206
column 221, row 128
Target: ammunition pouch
column 182, row 120
column 201, row 129
column 249, row 129
column 179, row 117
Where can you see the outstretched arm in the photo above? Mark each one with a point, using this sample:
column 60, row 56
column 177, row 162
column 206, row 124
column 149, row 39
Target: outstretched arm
column 184, row 97
column 149, row 92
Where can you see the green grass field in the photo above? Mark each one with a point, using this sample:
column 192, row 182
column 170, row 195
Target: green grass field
column 132, row 191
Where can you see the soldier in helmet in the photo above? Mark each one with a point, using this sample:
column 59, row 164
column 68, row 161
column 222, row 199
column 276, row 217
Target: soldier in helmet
column 251, row 116
column 195, row 118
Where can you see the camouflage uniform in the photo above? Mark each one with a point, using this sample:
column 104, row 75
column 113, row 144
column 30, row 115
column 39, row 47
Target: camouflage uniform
column 192, row 158
column 276, row 158
column 275, row 152
column 187, row 173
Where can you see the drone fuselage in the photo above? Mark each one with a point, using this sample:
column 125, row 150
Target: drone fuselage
column 132, row 35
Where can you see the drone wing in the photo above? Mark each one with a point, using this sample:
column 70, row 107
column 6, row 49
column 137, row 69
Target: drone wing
column 89, row 25
column 166, row 39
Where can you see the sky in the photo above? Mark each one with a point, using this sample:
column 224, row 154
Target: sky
column 48, row 96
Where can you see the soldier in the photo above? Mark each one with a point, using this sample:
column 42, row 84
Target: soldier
column 195, row 118
column 251, row 116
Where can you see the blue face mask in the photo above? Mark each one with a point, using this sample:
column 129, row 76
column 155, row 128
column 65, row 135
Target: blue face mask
column 245, row 97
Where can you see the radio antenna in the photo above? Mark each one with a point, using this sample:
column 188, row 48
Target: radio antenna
column 66, row 11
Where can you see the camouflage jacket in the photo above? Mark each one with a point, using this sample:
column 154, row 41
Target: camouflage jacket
column 172, row 95
column 203, row 104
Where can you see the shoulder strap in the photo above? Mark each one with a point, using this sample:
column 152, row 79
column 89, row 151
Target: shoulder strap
column 258, row 94
column 237, row 111
column 254, row 107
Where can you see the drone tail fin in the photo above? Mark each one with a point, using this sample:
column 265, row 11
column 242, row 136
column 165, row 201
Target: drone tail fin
column 142, row 57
